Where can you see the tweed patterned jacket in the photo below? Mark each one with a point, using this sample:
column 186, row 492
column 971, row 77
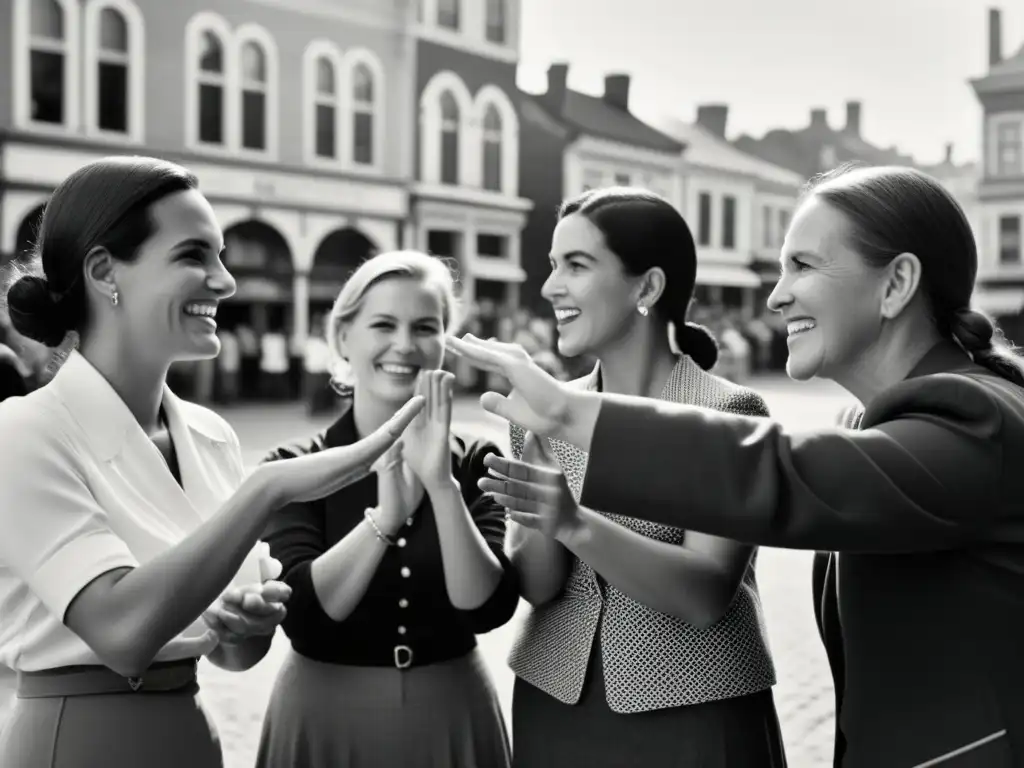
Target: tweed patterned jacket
column 651, row 660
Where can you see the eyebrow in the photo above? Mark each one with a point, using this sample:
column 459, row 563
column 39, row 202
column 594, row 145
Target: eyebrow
column 386, row 316
column 800, row 255
column 196, row 242
column 570, row 254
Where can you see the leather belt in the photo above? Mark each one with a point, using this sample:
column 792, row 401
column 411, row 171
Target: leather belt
column 92, row 680
column 412, row 653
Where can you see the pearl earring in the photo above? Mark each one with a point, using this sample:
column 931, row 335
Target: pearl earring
column 114, row 297
column 641, row 308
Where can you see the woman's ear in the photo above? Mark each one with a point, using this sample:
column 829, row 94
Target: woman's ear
column 99, row 270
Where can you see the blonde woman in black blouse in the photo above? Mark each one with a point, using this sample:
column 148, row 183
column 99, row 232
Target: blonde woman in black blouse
column 393, row 577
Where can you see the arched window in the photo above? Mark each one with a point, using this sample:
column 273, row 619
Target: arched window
column 112, row 93
column 254, row 96
column 496, row 24
column 492, row 157
column 48, row 62
column 449, row 138
column 212, row 87
column 363, row 96
column 114, row 62
column 325, row 112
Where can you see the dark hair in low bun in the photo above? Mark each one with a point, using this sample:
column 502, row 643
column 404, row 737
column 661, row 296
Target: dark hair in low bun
column 103, row 204
column 34, row 312
column 644, row 230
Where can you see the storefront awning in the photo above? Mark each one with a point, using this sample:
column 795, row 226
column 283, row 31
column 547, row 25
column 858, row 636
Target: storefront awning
column 727, row 275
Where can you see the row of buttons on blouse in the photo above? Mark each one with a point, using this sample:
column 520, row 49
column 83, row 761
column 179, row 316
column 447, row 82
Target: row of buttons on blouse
column 403, row 653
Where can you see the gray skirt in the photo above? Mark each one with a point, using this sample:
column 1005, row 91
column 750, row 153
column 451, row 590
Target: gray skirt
column 443, row 715
column 75, row 723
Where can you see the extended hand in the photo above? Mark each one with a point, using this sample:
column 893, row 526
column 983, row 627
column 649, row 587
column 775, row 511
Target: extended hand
column 538, row 402
column 426, row 444
column 244, row 612
column 399, row 491
column 317, row 475
column 536, row 497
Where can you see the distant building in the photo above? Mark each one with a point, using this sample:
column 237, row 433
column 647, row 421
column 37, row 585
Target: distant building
column 819, row 147
column 572, row 142
column 738, row 206
column 1000, row 207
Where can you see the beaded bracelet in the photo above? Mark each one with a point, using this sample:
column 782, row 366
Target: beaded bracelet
column 368, row 514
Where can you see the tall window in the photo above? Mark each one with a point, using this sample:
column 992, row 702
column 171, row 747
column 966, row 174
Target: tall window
column 704, row 219
column 1008, row 149
column 449, row 139
column 47, row 52
column 496, row 21
column 767, row 241
column 112, row 75
column 212, row 86
column 448, row 14
column 325, row 109
column 362, row 115
column 729, row 222
column 254, row 96
column 1009, row 240
column 492, row 149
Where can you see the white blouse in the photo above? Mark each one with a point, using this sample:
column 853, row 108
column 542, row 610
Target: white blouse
column 83, row 490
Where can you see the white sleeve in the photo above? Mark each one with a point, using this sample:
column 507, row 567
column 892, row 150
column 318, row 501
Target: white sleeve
column 56, row 537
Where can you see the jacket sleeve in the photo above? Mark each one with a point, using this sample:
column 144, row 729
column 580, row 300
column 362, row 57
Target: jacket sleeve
column 924, row 475
column 296, row 536
column 489, row 518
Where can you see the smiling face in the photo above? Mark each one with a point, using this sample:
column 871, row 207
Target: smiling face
column 397, row 332
column 593, row 297
column 168, row 295
column 829, row 296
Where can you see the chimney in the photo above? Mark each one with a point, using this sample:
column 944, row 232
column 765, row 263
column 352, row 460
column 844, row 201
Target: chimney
column 819, row 118
column 995, row 37
column 713, row 117
column 558, row 74
column 853, row 118
column 616, row 91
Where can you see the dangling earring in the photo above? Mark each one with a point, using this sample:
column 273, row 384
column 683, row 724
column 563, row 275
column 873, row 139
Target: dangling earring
column 113, row 297
column 641, row 308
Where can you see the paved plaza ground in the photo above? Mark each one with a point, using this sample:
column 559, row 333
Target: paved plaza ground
column 804, row 692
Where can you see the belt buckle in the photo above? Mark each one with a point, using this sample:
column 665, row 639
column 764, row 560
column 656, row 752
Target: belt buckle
column 135, row 683
column 403, row 663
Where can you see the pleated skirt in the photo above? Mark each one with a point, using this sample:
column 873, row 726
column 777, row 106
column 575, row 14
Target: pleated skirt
column 742, row 732
column 443, row 715
column 111, row 730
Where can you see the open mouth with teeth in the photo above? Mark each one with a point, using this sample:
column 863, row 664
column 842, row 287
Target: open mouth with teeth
column 797, row 327
column 402, row 371
column 202, row 310
column 566, row 315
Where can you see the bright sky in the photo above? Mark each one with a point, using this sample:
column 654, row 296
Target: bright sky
column 771, row 61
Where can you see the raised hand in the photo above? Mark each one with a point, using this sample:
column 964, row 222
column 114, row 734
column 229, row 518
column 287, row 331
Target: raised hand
column 538, row 401
column 399, row 491
column 244, row 612
column 536, row 497
column 426, row 444
column 320, row 474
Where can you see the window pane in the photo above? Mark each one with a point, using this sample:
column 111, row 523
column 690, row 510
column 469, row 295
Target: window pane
column 492, row 120
column 113, row 101
column 496, row 21
column 729, row 222
column 113, row 31
column 254, row 122
column 449, row 108
column 47, row 19
column 362, row 149
column 211, row 114
column 362, row 85
column 448, row 14
column 704, row 230
column 622, row 180
column 211, row 56
column 450, row 157
column 324, row 76
column 1009, row 239
column 492, row 165
column 254, row 65
column 47, row 87
column 490, row 245
column 325, row 133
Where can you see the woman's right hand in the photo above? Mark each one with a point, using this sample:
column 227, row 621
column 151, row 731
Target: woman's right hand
column 399, row 491
column 317, row 475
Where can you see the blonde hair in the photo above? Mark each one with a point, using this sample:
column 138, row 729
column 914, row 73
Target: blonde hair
column 430, row 270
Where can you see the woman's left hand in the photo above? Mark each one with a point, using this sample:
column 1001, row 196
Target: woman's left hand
column 244, row 612
column 536, row 497
column 426, row 445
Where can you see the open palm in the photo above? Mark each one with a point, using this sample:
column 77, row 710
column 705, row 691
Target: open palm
column 426, row 445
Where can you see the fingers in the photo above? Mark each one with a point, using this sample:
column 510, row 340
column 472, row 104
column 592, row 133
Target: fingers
column 276, row 591
column 444, row 385
column 526, row 519
column 521, row 470
column 516, row 493
column 363, row 453
column 472, row 350
column 396, row 425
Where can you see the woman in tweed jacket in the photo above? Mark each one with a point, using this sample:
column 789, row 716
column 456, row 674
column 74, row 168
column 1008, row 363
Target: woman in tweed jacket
column 646, row 644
